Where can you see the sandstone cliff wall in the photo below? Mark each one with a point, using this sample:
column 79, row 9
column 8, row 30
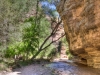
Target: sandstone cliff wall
column 81, row 20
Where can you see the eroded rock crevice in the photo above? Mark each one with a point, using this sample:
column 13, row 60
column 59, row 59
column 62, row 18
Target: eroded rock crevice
column 81, row 20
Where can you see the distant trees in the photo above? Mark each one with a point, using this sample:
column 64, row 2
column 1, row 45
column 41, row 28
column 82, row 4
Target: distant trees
column 33, row 31
column 12, row 14
column 29, row 36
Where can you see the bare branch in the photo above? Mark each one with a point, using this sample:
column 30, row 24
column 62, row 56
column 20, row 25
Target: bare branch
column 53, row 42
column 53, row 32
column 56, row 27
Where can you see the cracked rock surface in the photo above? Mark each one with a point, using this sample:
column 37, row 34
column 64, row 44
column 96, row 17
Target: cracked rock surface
column 81, row 20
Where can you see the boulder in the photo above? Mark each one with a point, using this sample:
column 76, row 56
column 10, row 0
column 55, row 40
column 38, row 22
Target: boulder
column 81, row 19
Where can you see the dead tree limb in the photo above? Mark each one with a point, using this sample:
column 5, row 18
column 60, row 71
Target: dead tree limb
column 53, row 42
column 52, row 33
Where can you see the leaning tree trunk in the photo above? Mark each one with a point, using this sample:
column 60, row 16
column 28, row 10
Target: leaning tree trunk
column 81, row 20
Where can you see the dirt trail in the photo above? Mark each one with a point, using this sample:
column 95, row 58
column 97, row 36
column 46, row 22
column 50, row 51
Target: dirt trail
column 61, row 66
column 34, row 69
column 55, row 68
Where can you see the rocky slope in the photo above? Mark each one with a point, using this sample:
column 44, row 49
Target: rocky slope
column 82, row 28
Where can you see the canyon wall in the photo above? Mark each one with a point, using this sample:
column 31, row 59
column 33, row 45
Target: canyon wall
column 81, row 20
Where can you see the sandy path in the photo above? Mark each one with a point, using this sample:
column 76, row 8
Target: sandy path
column 34, row 69
column 60, row 66
column 55, row 68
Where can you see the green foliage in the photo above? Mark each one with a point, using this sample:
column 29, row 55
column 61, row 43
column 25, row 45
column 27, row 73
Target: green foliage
column 3, row 66
column 34, row 30
column 70, row 56
column 48, row 53
column 31, row 36
column 29, row 42
column 0, row 44
column 23, row 37
column 44, row 28
column 15, row 9
column 12, row 13
column 14, row 49
column 44, row 32
column 51, row 54
column 32, row 39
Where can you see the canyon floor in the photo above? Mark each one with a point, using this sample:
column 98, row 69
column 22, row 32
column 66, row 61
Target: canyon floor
column 59, row 66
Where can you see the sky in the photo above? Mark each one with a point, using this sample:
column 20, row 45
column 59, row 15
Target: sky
column 50, row 6
column 47, row 4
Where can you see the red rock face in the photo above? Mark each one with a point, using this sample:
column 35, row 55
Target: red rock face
column 81, row 20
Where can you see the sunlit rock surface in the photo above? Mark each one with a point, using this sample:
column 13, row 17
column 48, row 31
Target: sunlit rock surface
column 81, row 20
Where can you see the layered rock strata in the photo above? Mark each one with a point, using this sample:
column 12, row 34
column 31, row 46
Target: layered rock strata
column 81, row 20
